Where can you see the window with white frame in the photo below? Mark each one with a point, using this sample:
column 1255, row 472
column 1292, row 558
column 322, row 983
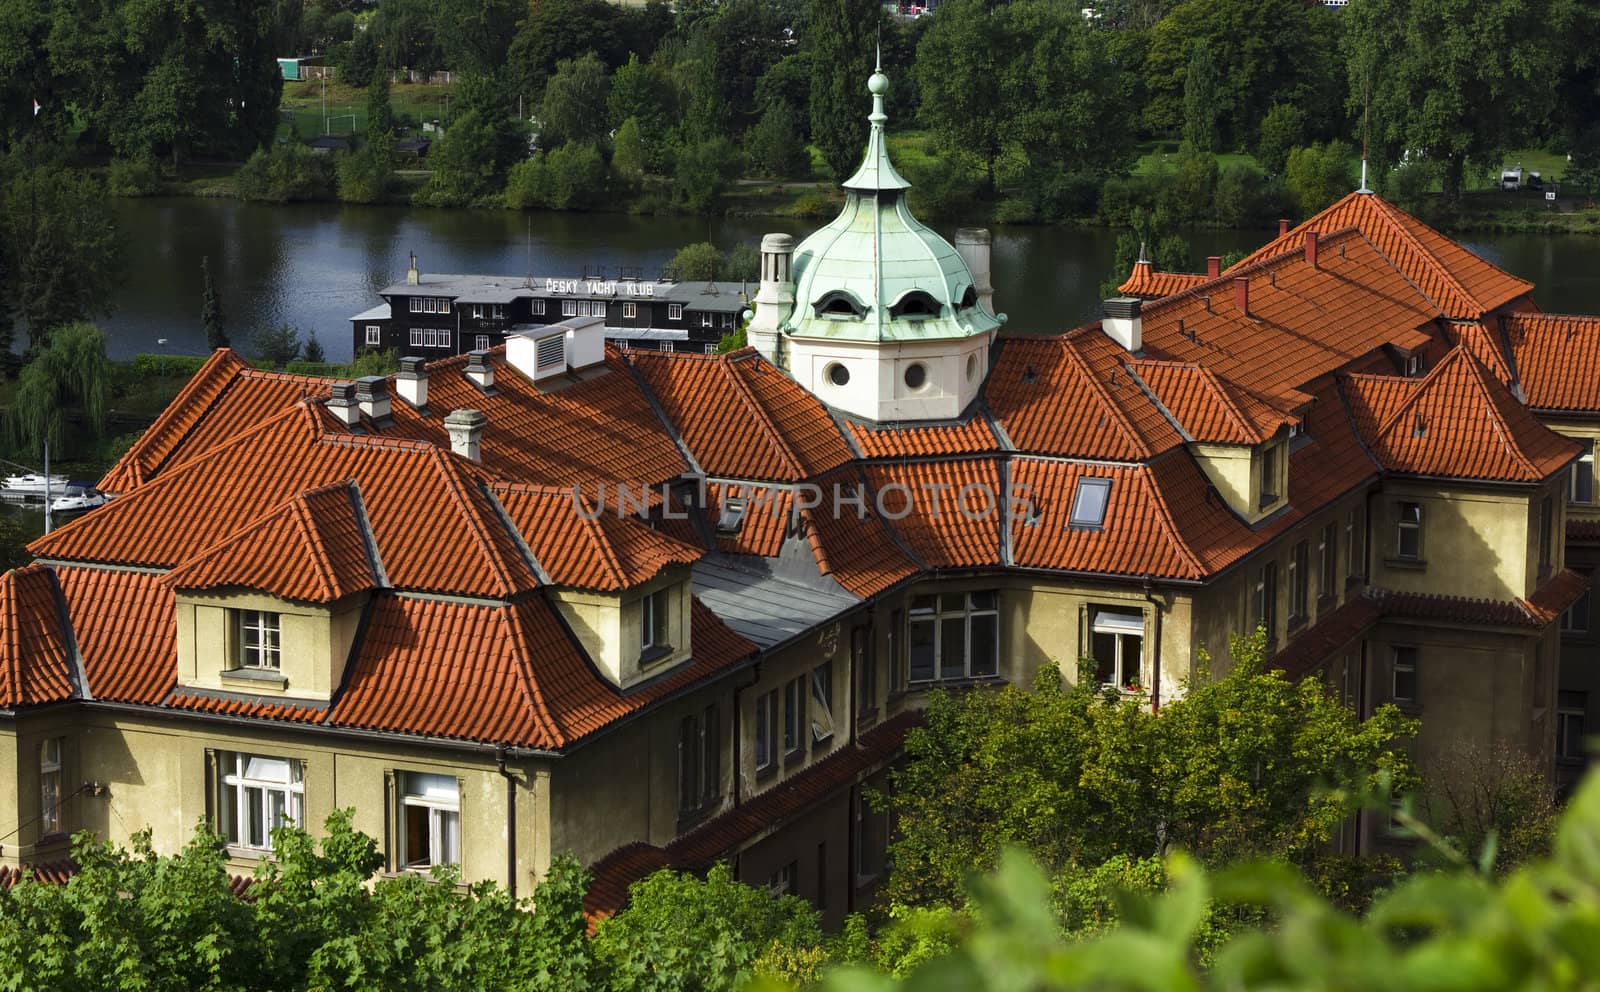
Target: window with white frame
column 430, row 305
column 374, row 334
column 954, row 636
column 705, row 320
column 1581, row 486
column 569, row 308
column 416, row 337
column 430, row 820
column 668, row 347
column 538, row 308
column 499, row 311
column 416, row 304
column 259, row 640
column 1408, row 532
column 674, row 311
column 444, row 306
column 1403, row 687
column 727, row 321
column 481, row 342
column 50, row 786
column 766, row 724
column 477, row 311
column 822, row 701
column 1116, row 643
column 794, row 715
column 630, row 310
column 260, row 794
column 783, row 881
column 1570, row 708
column 430, row 337
column 653, row 616
column 443, row 341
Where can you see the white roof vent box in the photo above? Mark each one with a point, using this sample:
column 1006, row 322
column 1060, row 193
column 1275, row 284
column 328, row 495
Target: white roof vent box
column 544, row 351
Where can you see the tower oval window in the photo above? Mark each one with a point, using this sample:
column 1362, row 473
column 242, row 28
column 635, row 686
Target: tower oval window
column 838, row 374
column 916, row 375
column 972, row 367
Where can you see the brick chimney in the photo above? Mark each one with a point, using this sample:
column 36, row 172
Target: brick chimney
column 1283, row 226
column 466, row 432
column 480, row 371
column 1241, row 294
column 1311, row 248
column 342, row 404
column 1123, row 324
column 1213, row 265
column 372, row 395
column 412, row 382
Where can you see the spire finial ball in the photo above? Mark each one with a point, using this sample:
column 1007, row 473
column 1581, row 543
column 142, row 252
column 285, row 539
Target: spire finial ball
column 877, row 84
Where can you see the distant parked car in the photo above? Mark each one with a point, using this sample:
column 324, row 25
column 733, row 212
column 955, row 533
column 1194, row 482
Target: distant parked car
column 1511, row 178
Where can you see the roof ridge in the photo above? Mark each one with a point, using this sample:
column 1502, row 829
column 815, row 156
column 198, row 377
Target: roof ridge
column 272, row 515
column 602, row 541
column 12, row 645
column 1145, row 472
column 1480, row 377
column 304, row 516
column 1386, row 211
column 1230, row 403
column 1418, row 387
column 223, row 359
column 451, row 474
column 1081, row 364
column 775, row 436
column 533, row 693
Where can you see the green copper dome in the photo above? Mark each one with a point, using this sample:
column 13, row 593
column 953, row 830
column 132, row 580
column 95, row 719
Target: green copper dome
column 876, row 273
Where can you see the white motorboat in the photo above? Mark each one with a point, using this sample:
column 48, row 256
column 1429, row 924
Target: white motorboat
column 76, row 498
column 32, row 485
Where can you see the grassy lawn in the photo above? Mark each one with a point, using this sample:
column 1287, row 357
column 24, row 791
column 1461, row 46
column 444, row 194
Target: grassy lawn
column 347, row 106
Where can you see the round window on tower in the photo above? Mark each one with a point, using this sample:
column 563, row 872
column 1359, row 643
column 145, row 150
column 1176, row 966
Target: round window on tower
column 972, row 367
column 838, row 374
column 916, row 375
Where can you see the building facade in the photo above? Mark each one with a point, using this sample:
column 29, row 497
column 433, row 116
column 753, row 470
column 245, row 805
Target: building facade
column 656, row 608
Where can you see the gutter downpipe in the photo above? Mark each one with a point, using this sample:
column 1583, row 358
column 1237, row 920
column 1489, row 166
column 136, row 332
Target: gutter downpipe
column 1155, row 658
column 511, row 820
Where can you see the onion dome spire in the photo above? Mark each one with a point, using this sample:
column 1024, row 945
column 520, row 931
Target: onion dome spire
column 877, row 173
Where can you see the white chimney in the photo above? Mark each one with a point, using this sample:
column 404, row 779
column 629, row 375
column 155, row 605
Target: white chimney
column 372, row 395
column 775, row 297
column 1123, row 324
column 466, row 432
column 413, row 277
column 480, row 371
column 973, row 244
column 412, row 382
column 342, row 404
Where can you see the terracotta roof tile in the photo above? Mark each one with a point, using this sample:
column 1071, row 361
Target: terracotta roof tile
column 1555, row 594
column 1334, row 461
column 1303, row 322
column 311, row 548
column 1332, row 631
column 742, row 418
column 856, row 546
column 1460, row 283
column 972, row 437
column 34, row 667
column 1557, row 360
column 951, row 512
column 1483, row 339
column 612, row 876
column 765, row 522
column 126, row 626
column 288, row 710
column 1583, row 530
column 1145, row 281
column 1208, row 407
column 589, row 545
column 48, row 872
column 1458, row 421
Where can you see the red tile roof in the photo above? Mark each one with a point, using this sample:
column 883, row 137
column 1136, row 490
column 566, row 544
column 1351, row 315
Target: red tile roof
column 951, row 511
column 1483, row 339
column 856, row 547
column 766, row 517
column 743, row 419
column 1458, row 421
column 289, row 710
column 1147, row 282
column 48, row 872
column 583, row 543
column 1314, row 645
column 34, row 667
column 1557, row 360
column 1554, row 595
column 612, row 876
column 126, row 627
column 1460, row 283
column 311, row 548
column 972, row 437
column 1209, row 408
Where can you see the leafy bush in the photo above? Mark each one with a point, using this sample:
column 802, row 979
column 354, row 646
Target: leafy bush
column 572, row 177
column 946, row 186
column 166, row 366
column 286, row 174
column 627, row 154
column 1318, row 175
column 704, row 171
column 367, row 174
column 1191, row 193
column 1246, row 198
column 138, row 175
column 811, row 205
column 699, row 262
column 1282, row 130
column 776, row 144
column 1124, row 198
column 1057, row 194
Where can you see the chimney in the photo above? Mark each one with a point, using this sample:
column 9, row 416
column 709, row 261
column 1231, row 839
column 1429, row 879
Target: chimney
column 973, row 245
column 412, row 382
column 342, row 404
column 466, row 432
column 1241, row 294
column 1213, row 266
column 1123, row 324
column 1283, row 226
column 1311, row 248
column 413, row 277
column 480, row 371
column 372, row 395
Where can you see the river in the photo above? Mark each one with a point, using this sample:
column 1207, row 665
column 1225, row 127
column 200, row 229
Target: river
column 314, row 265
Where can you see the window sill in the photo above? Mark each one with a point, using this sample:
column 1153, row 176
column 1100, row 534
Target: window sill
column 767, row 772
column 238, row 853
column 1414, row 564
column 822, row 745
column 794, row 759
column 254, row 678
column 1297, row 622
column 649, row 656
column 1409, row 707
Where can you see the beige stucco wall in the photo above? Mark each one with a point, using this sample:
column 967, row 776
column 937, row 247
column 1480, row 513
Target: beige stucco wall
column 609, row 625
column 315, row 641
column 1235, row 471
column 1474, row 544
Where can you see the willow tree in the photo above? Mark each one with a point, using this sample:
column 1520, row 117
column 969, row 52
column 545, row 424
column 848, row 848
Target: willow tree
column 71, row 372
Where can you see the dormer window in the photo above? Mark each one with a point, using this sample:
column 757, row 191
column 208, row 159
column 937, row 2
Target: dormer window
column 259, row 641
column 1413, row 365
column 654, row 613
column 1269, row 476
column 1089, row 504
column 839, row 305
column 732, row 516
column 969, row 298
column 915, row 305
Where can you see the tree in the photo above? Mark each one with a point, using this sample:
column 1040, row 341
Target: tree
column 380, row 114
column 682, row 932
column 1476, row 793
column 1200, row 98
column 775, row 147
column 699, row 262
column 474, row 35
column 61, row 250
column 627, row 154
column 1148, row 236
column 211, row 309
column 958, row 71
column 1077, row 780
column 360, row 64
column 642, row 92
column 286, row 174
column 1319, row 175
column 839, row 47
column 574, row 107
column 279, row 345
column 72, row 370
column 1282, row 130
column 704, row 171
column 313, row 350
column 1455, row 81
column 481, row 142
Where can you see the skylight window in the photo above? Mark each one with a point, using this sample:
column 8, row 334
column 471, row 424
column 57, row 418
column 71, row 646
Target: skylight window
column 1089, row 504
column 732, row 516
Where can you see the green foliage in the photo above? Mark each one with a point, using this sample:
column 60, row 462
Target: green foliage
column 627, row 154
column 13, row 544
column 71, row 370
column 775, row 147
column 313, row 350
column 644, row 93
column 682, row 932
column 1245, row 764
column 699, row 262
column 1200, row 98
column 366, row 175
column 1149, row 236
column 1282, row 130
column 1480, row 796
column 572, row 177
column 742, row 263
column 1583, row 172
column 704, row 171
column 211, row 308
column 286, row 174
column 278, row 345
column 946, row 186
column 574, row 108
column 1318, row 175
column 480, row 144
column 359, row 67
column 380, row 114
column 60, row 251
column 166, row 366
column 1245, row 198
column 1192, row 185
column 839, row 51
column 136, row 175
